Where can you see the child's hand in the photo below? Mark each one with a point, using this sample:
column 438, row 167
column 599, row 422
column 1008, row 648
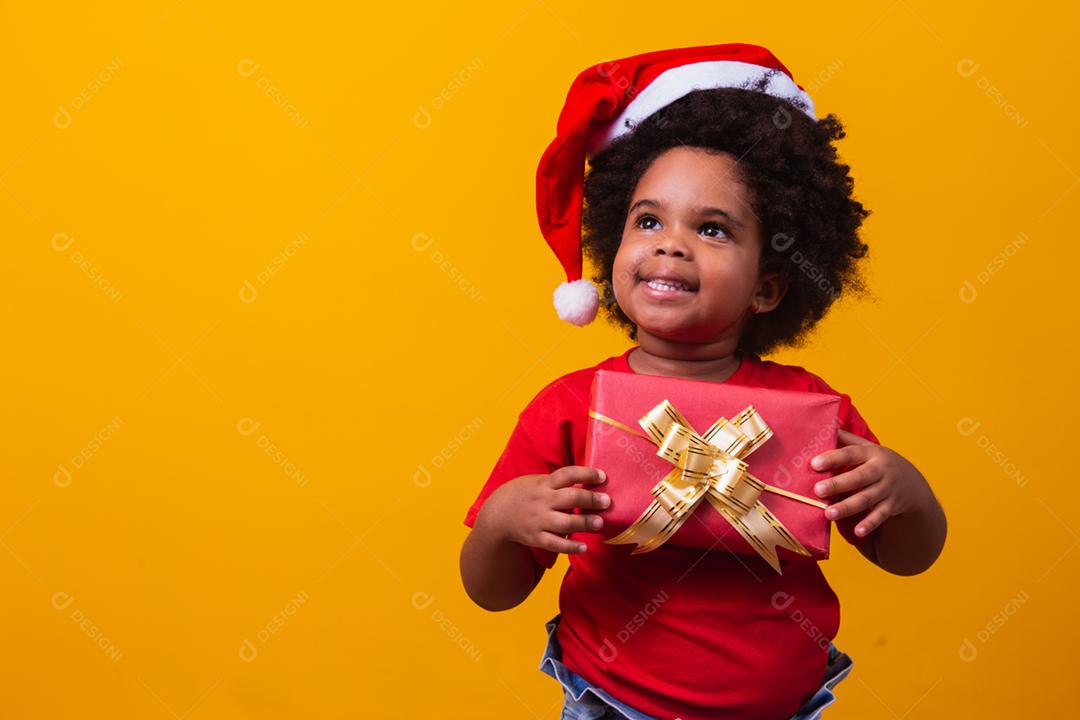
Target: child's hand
column 537, row 510
column 886, row 482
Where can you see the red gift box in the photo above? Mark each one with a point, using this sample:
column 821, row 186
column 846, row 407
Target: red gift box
column 728, row 459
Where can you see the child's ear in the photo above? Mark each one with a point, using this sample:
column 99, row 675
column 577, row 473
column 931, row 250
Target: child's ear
column 770, row 291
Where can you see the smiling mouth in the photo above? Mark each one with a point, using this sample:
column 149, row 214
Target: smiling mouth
column 666, row 287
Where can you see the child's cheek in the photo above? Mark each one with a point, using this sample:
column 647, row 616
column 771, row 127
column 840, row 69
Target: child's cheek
column 622, row 279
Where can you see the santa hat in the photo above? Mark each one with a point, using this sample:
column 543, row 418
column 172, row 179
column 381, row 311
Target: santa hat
column 609, row 100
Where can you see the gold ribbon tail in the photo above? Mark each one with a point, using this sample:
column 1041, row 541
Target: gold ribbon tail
column 763, row 531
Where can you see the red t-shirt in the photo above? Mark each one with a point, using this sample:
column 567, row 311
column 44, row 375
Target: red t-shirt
column 681, row 632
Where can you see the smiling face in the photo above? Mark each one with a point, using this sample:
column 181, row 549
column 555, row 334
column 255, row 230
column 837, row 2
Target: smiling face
column 686, row 270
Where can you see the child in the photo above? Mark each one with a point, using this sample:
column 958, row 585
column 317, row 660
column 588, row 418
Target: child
column 722, row 226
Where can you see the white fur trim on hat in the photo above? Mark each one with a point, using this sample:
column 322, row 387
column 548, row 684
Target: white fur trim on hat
column 677, row 82
column 577, row 301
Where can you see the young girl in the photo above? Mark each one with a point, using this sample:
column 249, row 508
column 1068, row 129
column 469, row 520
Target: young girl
column 722, row 226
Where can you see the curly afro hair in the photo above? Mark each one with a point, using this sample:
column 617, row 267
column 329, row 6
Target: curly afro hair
column 800, row 193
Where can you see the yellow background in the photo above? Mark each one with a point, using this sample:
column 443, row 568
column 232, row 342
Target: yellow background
column 256, row 232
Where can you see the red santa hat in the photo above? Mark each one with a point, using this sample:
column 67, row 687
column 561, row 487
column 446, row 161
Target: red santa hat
column 609, row 100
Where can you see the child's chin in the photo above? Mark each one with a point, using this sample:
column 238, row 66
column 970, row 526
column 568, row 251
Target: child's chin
column 672, row 330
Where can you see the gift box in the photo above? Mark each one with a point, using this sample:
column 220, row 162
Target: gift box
column 711, row 465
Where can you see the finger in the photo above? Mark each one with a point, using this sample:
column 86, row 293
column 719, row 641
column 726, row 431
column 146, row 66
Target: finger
column 572, row 497
column 571, row 474
column 846, row 437
column 847, row 481
column 855, row 504
column 564, row 523
column 874, row 520
column 841, row 457
column 554, row 543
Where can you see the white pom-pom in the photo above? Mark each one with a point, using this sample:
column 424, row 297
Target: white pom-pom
column 577, row 301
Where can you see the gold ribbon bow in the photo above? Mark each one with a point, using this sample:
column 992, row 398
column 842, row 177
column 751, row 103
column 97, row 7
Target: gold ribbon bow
column 709, row 467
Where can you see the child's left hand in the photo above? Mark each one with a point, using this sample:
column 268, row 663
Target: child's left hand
column 886, row 482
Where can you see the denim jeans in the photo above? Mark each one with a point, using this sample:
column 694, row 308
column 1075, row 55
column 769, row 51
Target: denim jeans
column 583, row 701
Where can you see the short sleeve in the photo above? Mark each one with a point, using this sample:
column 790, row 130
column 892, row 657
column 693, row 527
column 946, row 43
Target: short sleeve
column 852, row 421
column 520, row 457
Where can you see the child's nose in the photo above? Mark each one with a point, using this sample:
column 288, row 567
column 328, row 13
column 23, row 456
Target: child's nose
column 671, row 243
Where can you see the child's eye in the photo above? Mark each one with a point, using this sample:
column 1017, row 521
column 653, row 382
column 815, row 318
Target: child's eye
column 645, row 218
column 713, row 226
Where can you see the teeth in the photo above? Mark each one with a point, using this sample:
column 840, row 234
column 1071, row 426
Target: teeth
column 666, row 285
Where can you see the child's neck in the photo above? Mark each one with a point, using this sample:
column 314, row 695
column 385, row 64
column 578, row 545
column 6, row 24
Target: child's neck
column 714, row 362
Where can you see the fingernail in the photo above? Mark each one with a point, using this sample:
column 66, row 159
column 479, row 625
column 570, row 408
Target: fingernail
column 820, row 488
column 596, row 521
column 816, row 463
column 604, row 500
column 583, row 547
column 603, row 476
column 832, row 512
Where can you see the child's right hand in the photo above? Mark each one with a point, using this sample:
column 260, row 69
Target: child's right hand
column 537, row 510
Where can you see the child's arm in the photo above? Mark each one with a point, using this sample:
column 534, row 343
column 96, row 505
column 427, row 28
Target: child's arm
column 498, row 574
column 497, row 568
column 907, row 521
